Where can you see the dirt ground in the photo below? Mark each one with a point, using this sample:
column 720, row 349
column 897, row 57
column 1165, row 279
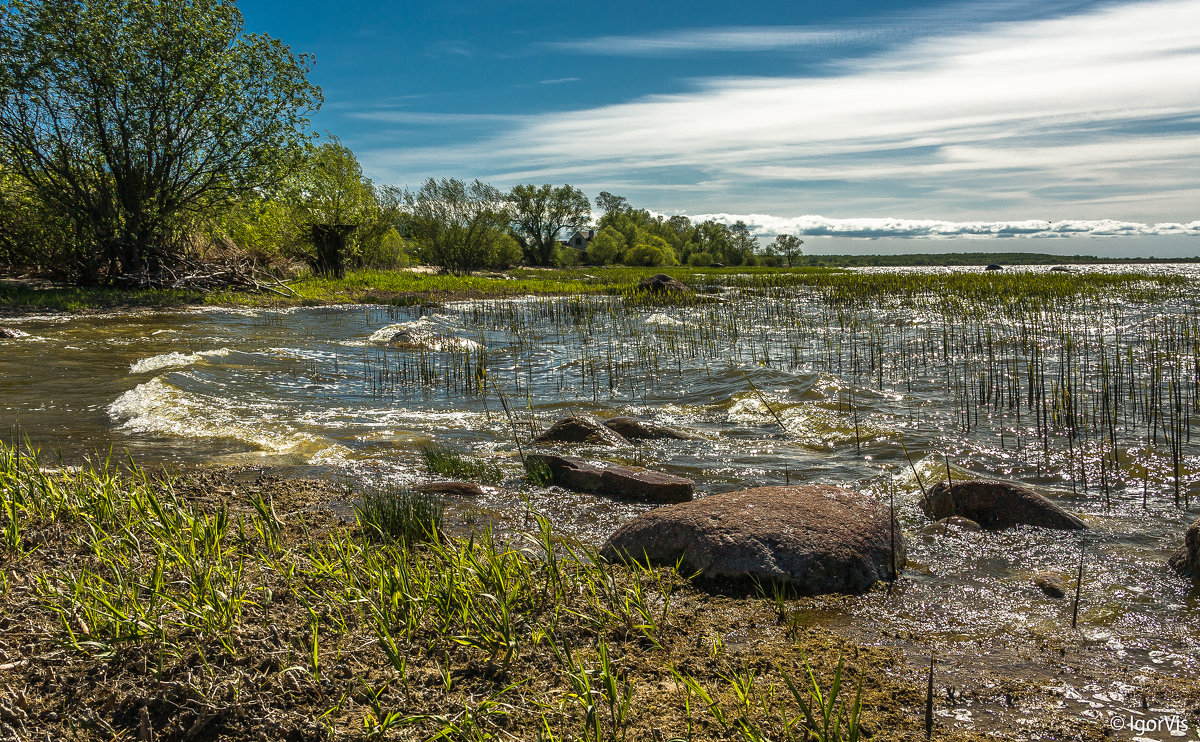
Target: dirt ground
column 259, row 688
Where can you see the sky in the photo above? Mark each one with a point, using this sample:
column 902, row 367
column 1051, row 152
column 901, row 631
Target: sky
column 1048, row 125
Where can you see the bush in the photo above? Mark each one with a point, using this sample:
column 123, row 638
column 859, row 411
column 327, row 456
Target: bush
column 606, row 247
column 654, row 251
column 700, row 260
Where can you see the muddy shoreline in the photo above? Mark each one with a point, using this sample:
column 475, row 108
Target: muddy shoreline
column 1018, row 691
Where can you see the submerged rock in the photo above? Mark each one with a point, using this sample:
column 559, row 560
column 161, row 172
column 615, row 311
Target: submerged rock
column 948, row 525
column 995, row 505
column 451, row 489
column 12, row 333
column 635, row 429
column 1186, row 561
column 614, row 480
column 661, row 283
column 995, row 267
column 581, row 430
column 815, row 538
column 1054, row 586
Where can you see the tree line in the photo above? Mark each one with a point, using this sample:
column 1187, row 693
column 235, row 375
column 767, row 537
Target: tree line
column 139, row 134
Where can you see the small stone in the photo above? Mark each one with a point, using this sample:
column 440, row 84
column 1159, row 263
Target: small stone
column 1054, row 586
column 451, row 489
column 945, row 526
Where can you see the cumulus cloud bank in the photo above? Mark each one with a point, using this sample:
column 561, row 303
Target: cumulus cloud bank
column 812, row 225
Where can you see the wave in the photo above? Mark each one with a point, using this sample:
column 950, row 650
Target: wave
column 159, row 408
column 174, row 360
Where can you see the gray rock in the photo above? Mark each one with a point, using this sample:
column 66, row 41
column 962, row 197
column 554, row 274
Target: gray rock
column 948, row 525
column 1054, row 586
column 661, row 283
column 995, row 505
column 635, row 429
column 1186, row 561
column 614, row 480
column 815, row 538
column 451, row 489
column 580, row 430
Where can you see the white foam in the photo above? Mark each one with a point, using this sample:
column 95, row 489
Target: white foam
column 174, row 360
column 158, row 407
column 423, row 333
column 663, row 320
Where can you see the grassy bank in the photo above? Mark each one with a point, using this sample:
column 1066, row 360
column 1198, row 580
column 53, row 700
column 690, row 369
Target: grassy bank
column 211, row 608
column 406, row 288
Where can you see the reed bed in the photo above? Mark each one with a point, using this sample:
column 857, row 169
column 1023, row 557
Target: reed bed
column 1090, row 380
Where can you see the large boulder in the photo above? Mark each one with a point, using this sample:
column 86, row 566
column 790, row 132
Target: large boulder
column 995, row 505
column 1186, row 561
column 613, row 480
column 634, row 429
column 580, row 430
column 661, row 283
column 12, row 333
column 817, row 539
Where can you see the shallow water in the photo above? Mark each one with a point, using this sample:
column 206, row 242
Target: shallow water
column 324, row 390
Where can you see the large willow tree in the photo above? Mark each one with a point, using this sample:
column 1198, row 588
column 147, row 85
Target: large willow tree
column 128, row 117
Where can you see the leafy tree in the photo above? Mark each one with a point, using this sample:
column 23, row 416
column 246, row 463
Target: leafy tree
column 540, row 214
column 606, row 247
column 742, row 245
column 458, row 227
column 788, row 246
column 130, row 117
column 700, row 260
column 713, row 238
column 607, row 202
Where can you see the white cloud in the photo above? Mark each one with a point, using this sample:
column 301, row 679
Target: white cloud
column 1092, row 116
column 727, row 39
column 812, row 225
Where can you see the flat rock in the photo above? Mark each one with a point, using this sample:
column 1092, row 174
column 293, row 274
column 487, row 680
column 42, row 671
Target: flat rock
column 948, row 525
column 580, row 430
column 1186, row 561
column 614, row 480
column 995, row 505
column 634, row 429
column 12, row 333
column 816, row 538
column 1054, row 586
column 451, row 489
column 661, row 283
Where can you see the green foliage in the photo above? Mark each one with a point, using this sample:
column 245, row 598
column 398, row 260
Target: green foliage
column 541, row 213
column 328, row 187
column 700, row 260
column 456, row 226
column 452, row 464
column 132, row 118
column 606, row 247
column 651, row 250
column 787, row 246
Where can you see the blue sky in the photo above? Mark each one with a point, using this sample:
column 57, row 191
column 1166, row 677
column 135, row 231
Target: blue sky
column 839, row 120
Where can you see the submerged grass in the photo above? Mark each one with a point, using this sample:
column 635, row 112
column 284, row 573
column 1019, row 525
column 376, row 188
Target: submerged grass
column 392, row 514
column 450, row 463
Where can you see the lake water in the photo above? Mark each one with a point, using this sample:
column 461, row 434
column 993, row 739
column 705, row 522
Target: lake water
column 325, row 391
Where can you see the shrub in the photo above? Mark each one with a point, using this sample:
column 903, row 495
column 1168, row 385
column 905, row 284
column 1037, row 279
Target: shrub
column 700, row 260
